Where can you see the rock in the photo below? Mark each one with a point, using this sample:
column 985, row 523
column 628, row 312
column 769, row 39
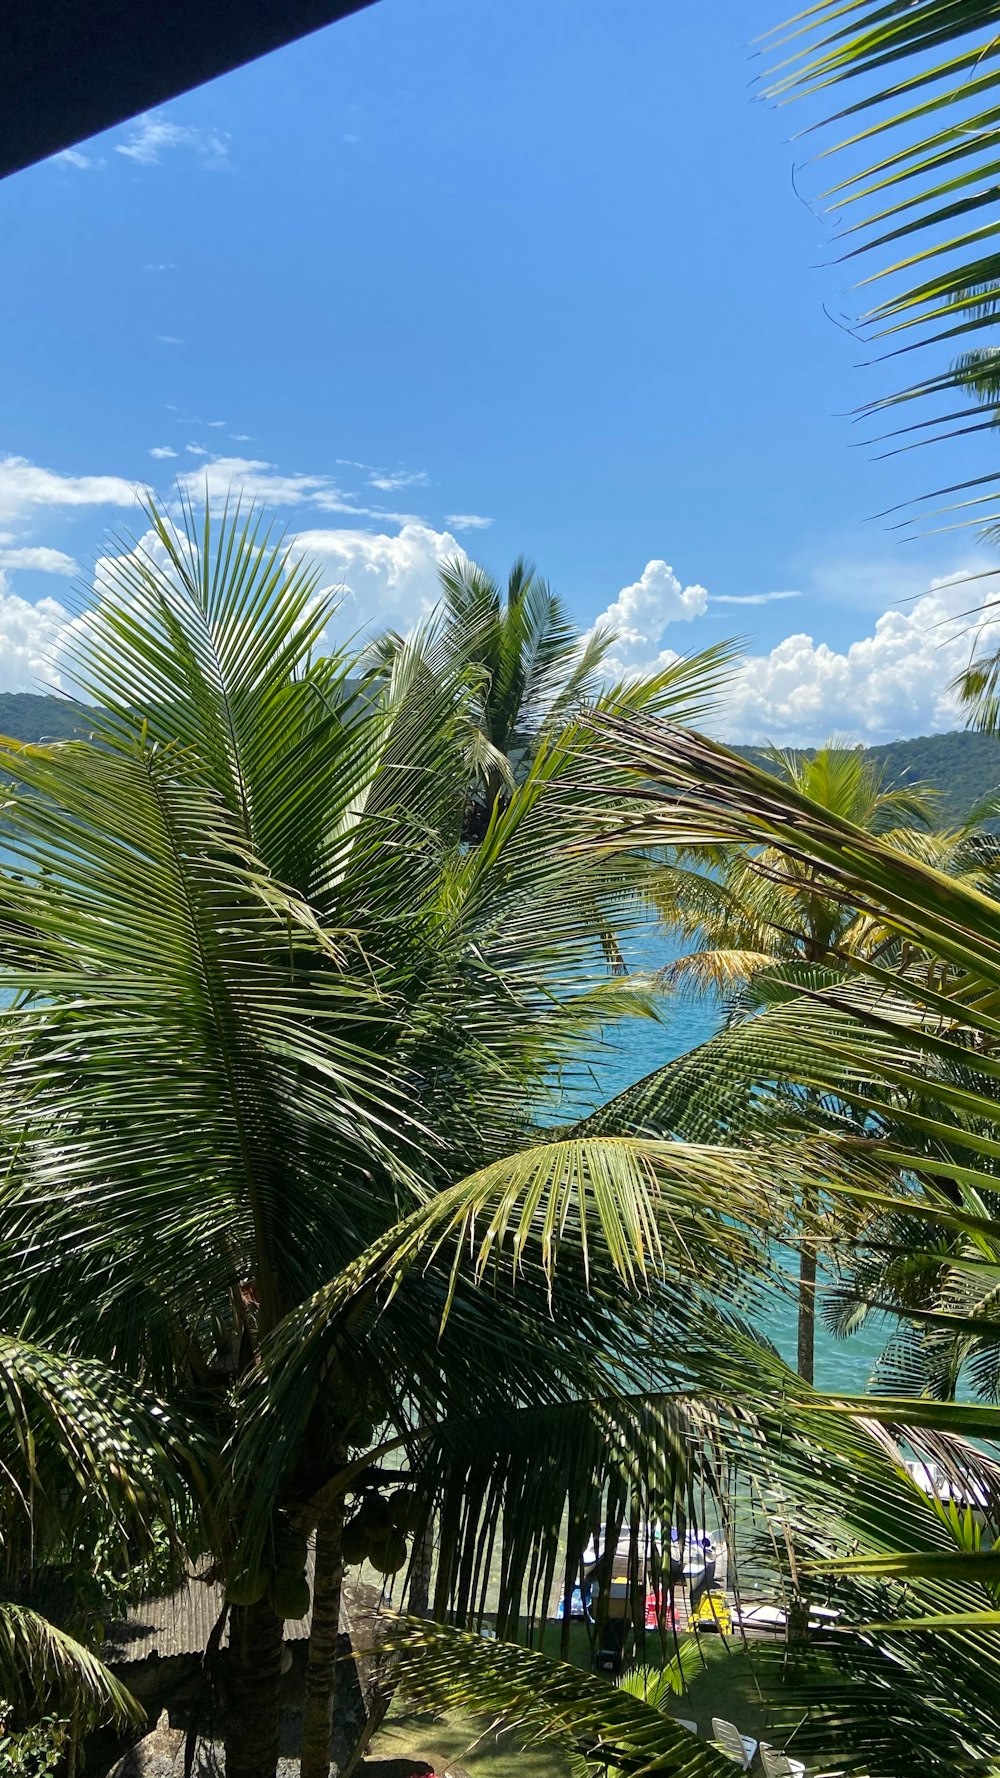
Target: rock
column 396, row 1768
column 160, row 1754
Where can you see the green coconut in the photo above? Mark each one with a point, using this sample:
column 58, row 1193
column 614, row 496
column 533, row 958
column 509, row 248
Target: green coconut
column 247, row 1587
column 387, row 1555
column 290, row 1594
column 354, row 1542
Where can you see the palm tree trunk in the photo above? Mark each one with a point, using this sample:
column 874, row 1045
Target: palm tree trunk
column 807, row 1304
column 419, row 1595
column 317, row 1713
column 254, row 1692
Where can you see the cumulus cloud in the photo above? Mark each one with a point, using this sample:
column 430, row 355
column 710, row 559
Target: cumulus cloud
column 641, row 613
column 386, row 581
column 162, row 451
column 467, row 521
column 27, row 639
column 153, row 135
column 40, row 558
column 893, row 682
column 25, row 486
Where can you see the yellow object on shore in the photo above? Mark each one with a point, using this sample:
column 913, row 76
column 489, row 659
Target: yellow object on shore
column 712, row 1612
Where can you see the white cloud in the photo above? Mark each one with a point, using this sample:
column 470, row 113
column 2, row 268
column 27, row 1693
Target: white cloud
column 27, row 639
column 215, row 422
column 386, row 580
column 388, row 480
column 196, row 450
column 893, row 682
column 641, row 613
column 242, row 437
column 164, row 265
column 467, row 521
column 24, row 486
column 40, row 558
column 162, row 451
column 259, row 480
column 751, row 598
column 151, row 135
column 73, row 157
column 167, row 339
column 119, row 581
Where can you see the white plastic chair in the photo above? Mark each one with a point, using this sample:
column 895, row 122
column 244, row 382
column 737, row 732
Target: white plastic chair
column 739, row 1748
column 780, row 1765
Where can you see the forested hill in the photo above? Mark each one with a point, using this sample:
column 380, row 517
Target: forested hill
column 27, row 716
column 964, row 767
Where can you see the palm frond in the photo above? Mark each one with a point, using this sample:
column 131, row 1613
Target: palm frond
column 539, row 1699
column 42, row 1667
column 73, row 1420
column 918, row 133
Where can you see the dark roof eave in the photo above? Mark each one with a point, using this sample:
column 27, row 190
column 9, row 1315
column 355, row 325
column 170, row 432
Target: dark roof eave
column 69, row 70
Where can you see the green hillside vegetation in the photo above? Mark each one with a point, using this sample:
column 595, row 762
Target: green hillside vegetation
column 962, row 766
column 33, row 716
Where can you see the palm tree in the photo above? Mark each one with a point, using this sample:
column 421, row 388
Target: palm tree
column 275, row 1036
column 272, row 1047
column 912, row 1051
column 857, row 1542
column 527, row 671
column 753, row 913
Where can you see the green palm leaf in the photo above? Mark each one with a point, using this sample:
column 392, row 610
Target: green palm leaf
column 42, row 1667
column 539, row 1699
column 921, row 144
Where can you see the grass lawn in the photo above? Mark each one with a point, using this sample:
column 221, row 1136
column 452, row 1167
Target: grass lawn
column 725, row 1687
column 445, row 1744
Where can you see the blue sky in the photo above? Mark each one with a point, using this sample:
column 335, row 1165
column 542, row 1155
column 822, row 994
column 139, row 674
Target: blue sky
column 540, row 265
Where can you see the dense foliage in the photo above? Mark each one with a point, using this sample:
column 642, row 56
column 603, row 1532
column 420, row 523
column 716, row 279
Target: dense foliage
column 309, row 1248
column 961, row 768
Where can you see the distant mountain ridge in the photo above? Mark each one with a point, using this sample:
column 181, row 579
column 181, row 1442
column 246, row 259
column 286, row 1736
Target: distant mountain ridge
column 962, row 766
column 34, row 716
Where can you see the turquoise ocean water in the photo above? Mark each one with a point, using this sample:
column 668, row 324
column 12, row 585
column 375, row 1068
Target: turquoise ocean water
column 634, row 1048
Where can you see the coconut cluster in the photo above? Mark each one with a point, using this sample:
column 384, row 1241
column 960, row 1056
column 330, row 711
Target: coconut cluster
column 376, row 1533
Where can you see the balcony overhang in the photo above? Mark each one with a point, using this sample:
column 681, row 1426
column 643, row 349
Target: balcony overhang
column 71, row 68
